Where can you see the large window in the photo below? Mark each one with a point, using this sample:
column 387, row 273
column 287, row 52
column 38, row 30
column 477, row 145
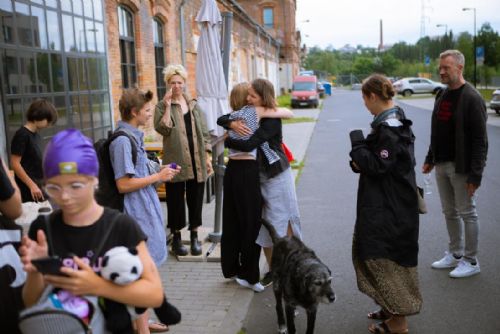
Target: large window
column 159, row 57
column 55, row 50
column 127, row 47
column 268, row 17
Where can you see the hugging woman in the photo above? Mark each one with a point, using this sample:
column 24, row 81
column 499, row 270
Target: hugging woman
column 277, row 186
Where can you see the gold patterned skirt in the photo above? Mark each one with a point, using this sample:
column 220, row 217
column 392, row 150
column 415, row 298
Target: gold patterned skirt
column 395, row 288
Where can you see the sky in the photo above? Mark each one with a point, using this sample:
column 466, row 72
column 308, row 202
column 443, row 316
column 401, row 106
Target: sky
column 336, row 23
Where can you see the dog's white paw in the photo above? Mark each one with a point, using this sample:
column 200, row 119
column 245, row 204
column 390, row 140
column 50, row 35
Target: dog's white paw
column 282, row 330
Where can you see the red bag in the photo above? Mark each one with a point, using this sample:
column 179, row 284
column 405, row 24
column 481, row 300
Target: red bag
column 288, row 153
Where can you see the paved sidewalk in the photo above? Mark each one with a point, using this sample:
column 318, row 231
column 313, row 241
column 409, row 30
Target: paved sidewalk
column 210, row 303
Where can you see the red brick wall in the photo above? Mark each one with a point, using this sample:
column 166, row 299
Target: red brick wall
column 245, row 41
column 143, row 12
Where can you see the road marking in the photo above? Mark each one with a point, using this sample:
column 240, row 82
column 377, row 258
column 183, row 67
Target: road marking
column 333, row 120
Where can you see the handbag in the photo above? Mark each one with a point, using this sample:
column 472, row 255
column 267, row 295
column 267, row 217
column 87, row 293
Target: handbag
column 46, row 318
column 288, row 153
column 422, row 207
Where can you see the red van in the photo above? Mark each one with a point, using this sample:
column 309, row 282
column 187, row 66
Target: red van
column 305, row 91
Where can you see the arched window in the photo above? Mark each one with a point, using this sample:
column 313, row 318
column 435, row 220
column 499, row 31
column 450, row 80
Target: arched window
column 127, row 47
column 159, row 57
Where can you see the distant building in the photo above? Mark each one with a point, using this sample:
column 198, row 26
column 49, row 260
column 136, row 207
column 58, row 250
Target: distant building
column 278, row 18
column 348, row 49
column 80, row 54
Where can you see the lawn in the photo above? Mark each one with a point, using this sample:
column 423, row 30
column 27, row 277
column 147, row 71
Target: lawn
column 284, row 101
column 486, row 93
column 298, row 120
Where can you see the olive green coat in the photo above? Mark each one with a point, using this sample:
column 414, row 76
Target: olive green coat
column 175, row 141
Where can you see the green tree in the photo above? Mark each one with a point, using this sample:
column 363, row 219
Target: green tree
column 363, row 66
column 490, row 40
column 465, row 45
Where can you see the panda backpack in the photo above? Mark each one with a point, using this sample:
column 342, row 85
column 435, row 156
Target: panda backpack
column 48, row 317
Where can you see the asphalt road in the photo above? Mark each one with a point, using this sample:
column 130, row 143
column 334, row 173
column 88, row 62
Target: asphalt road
column 327, row 197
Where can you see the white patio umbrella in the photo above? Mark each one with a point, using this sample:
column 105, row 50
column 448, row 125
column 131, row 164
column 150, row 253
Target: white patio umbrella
column 211, row 86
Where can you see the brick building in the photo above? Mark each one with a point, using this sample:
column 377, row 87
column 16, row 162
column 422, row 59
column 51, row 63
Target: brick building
column 81, row 53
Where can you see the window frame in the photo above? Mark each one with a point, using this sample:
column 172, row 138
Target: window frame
column 268, row 25
column 49, row 74
column 128, row 63
column 159, row 49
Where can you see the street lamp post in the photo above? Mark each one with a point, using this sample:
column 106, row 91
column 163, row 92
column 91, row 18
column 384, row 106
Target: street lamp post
column 445, row 28
column 474, row 42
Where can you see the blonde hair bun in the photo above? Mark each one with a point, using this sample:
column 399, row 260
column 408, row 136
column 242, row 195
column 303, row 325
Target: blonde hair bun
column 174, row 69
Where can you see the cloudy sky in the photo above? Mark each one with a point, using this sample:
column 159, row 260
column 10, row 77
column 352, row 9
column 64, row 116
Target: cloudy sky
column 341, row 22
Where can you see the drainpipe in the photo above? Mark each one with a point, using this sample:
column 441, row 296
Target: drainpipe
column 181, row 28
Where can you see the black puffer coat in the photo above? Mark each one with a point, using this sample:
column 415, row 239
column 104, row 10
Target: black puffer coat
column 387, row 222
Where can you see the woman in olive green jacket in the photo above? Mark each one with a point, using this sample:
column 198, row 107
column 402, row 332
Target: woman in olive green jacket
column 186, row 142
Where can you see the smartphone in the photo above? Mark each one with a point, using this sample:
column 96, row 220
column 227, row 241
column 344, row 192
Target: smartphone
column 49, row 265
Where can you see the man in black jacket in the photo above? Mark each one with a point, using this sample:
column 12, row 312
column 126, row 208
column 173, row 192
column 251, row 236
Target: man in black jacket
column 458, row 149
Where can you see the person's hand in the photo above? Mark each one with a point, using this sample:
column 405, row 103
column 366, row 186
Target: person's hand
column 168, row 97
column 354, row 167
column 167, row 174
column 239, row 126
column 36, row 193
column 210, row 169
column 83, row 281
column 471, row 189
column 31, row 250
column 427, row 168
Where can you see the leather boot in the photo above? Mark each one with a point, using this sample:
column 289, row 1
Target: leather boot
column 177, row 247
column 195, row 244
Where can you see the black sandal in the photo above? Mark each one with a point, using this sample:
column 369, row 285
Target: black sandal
column 379, row 315
column 383, row 328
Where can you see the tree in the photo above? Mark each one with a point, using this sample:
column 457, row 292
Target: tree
column 465, row 45
column 363, row 66
column 489, row 40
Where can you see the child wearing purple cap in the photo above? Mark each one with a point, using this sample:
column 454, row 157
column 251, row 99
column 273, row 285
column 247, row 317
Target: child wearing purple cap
column 70, row 172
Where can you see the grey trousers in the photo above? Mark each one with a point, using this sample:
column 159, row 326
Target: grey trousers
column 459, row 211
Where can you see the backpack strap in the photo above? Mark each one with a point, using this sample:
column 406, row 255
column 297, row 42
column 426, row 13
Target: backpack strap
column 122, row 132
column 47, row 220
column 109, row 227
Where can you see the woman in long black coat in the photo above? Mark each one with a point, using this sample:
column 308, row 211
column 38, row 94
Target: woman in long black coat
column 385, row 243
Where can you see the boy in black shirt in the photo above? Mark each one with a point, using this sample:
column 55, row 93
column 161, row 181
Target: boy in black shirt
column 26, row 150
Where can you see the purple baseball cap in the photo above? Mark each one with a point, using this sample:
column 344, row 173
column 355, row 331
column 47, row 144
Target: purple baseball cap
column 70, row 152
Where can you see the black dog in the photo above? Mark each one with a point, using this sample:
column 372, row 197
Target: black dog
column 299, row 278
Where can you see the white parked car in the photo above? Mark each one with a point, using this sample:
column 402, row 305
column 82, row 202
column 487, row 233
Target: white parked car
column 495, row 101
column 409, row 86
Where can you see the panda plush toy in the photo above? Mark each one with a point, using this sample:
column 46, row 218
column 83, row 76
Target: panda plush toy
column 122, row 266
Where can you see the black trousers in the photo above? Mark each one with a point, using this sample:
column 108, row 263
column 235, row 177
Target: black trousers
column 241, row 213
column 193, row 192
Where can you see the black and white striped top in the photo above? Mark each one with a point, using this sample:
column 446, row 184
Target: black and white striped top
column 249, row 115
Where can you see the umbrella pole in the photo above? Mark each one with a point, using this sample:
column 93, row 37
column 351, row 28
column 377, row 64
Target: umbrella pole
column 219, row 169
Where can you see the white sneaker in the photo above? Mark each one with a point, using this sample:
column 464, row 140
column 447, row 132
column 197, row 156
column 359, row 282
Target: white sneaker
column 465, row 269
column 448, row 261
column 257, row 287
